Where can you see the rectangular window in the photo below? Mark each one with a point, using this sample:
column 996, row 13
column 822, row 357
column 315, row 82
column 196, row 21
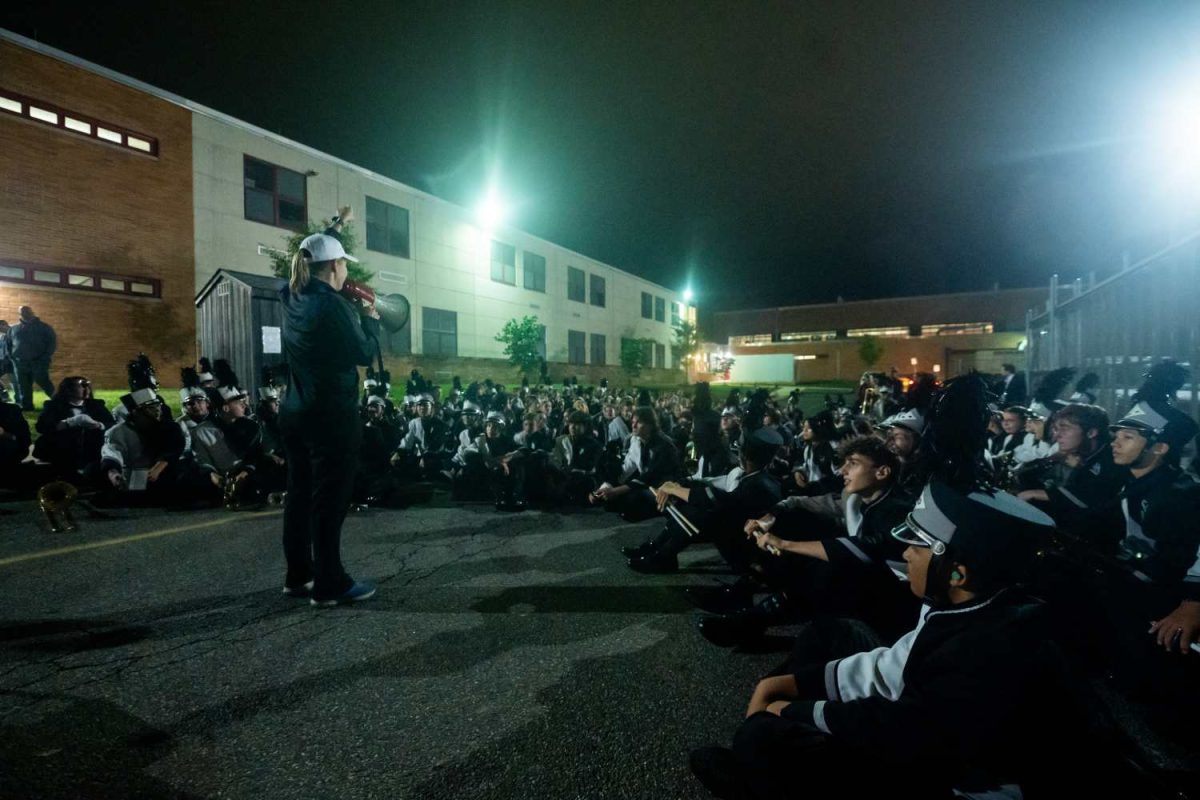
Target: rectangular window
column 956, row 329
column 576, row 347
column 755, row 340
column 80, row 280
column 599, row 350
column 598, row 297
column 274, row 195
column 75, row 123
column 893, row 331
column 576, row 281
column 535, row 271
column 387, row 228
column 504, row 263
column 660, row 356
column 808, row 336
column 660, row 310
column 676, row 315
column 647, row 306
column 439, row 333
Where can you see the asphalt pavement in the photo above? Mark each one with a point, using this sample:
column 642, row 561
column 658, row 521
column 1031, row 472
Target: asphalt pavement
column 152, row 655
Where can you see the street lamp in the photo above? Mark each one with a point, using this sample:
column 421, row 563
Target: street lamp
column 490, row 212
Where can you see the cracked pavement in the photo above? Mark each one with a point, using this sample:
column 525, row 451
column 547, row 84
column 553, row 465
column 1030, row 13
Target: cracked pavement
column 506, row 656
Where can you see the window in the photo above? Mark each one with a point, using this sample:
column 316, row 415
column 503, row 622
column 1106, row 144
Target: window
column 660, row 356
column 387, row 228
column 78, row 124
column 647, row 306
column 599, row 349
column 439, row 333
column 71, row 278
column 660, row 310
column 676, row 315
column 755, row 340
column 535, row 271
column 808, row 336
column 504, row 263
column 597, row 283
column 956, row 329
column 894, row 331
column 575, row 285
column 576, row 347
column 274, row 195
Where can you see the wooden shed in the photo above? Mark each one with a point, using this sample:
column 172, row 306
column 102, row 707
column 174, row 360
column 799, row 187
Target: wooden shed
column 239, row 318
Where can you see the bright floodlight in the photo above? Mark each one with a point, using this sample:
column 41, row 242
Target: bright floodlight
column 1176, row 134
column 687, row 295
column 490, row 212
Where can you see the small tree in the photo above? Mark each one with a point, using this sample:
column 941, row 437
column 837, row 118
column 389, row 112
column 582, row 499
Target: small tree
column 635, row 355
column 870, row 350
column 686, row 342
column 522, row 340
column 281, row 262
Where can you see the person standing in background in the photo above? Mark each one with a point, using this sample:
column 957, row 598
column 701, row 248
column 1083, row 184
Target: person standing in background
column 31, row 345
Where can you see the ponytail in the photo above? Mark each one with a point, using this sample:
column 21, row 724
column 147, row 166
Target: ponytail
column 299, row 276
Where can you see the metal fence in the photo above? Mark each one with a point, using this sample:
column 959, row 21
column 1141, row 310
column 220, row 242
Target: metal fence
column 1119, row 326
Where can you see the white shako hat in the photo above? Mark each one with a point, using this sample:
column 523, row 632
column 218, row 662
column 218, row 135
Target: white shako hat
column 912, row 419
column 139, row 397
column 376, row 400
column 495, row 416
column 1160, row 421
column 323, row 247
column 231, row 392
column 469, row 407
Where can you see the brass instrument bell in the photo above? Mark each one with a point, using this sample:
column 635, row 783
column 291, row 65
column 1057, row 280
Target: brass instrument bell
column 55, row 501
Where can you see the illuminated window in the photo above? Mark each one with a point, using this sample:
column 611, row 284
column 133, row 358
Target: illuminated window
column 82, row 280
column 274, row 195
column 898, row 331
column 808, row 336
column 72, row 122
column 43, row 276
column 956, row 328
column 756, row 340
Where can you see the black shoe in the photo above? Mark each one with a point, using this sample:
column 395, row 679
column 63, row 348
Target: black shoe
column 655, row 564
column 643, row 549
column 718, row 769
column 744, row 627
column 721, row 599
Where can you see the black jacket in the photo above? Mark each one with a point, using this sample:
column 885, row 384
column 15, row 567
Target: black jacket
column 31, row 341
column 755, row 495
column 1086, row 502
column 14, row 441
column 870, row 542
column 570, row 455
column 70, row 447
column 1162, row 530
column 324, row 342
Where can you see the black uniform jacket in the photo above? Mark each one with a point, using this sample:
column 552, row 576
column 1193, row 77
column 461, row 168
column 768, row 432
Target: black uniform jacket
column 1088, row 498
column 755, row 495
column 954, row 695
column 1162, row 530
column 869, row 525
column 14, row 441
column 571, row 455
column 324, row 341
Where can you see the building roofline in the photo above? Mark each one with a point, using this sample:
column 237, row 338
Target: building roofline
column 845, row 303
column 196, row 108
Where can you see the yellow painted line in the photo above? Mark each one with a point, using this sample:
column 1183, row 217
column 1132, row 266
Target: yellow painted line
column 137, row 537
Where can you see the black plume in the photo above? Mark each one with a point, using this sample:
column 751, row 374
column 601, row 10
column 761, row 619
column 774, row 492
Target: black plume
column 1162, row 382
column 457, row 383
column 268, row 376
column 223, row 371
column 141, row 373
column 1088, row 382
column 206, row 365
column 1052, row 384
column 957, row 433
column 189, row 377
column 920, row 393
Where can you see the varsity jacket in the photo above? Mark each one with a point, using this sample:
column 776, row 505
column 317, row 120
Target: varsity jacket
column 1162, row 530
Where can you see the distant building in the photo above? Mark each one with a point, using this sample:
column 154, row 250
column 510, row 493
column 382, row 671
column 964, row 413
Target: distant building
column 122, row 201
column 948, row 333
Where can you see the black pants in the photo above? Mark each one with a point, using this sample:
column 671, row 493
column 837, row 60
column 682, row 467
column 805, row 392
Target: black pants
column 322, row 457
column 27, row 373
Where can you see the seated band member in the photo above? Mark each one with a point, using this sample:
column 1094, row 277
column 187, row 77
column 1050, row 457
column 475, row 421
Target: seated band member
column 71, row 431
column 572, row 465
column 849, row 575
column 650, row 460
column 705, row 510
column 14, row 441
column 486, row 471
column 427, row 446
column 140, row 458
column 961, row 694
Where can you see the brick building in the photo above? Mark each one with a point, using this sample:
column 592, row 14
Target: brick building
column 952, row 332
column 121, row 201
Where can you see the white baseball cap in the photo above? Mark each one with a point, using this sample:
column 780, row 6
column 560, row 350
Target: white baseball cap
column 323, row 247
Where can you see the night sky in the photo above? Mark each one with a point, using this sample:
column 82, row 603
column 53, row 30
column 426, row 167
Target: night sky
column 766, row 153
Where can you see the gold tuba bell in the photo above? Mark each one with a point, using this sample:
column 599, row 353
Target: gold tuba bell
column 55, row 501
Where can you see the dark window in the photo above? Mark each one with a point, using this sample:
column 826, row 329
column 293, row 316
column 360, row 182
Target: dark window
column 676, row 315
column 660, row 356
column 504, row 263
column 576, row 281
column 535, row 271
column 576, row 347
column 647, row 306
column 274, row 195
column 599, row 349
column 387, row 228
column 597, row 290
column 398, row 343
column 440, row 332
column 660, row 310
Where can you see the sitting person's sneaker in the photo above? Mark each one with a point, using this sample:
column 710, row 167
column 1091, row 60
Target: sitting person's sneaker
column 718, row 769
column 361, row 590
column 303, row 590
